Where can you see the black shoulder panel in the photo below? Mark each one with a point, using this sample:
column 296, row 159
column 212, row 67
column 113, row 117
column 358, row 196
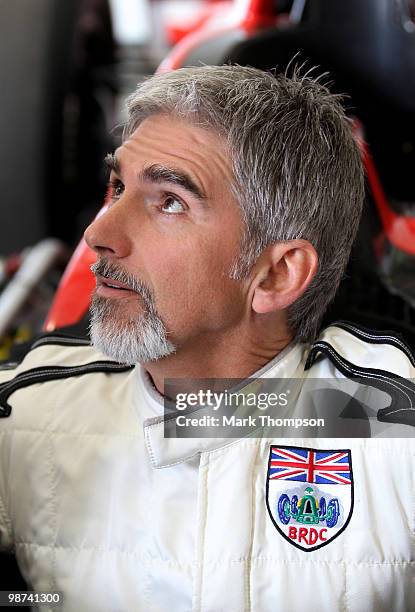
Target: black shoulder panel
column 47, row 373
column 400, row 389
column 378, row 337
column 21, row 349
column 60, row 339
column 403, row 416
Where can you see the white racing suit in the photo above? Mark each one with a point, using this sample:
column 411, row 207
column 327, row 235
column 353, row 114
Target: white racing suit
column 97, row 504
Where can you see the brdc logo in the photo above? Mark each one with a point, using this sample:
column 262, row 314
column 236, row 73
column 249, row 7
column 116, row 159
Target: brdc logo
column 309, row 494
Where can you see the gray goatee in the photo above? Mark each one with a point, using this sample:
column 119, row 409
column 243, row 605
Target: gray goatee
column 127, row 338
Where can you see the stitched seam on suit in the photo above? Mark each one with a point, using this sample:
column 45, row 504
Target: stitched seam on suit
column 397, row 382
column 110, row 551
column 329, row 562
column 361, row 444
column 248, row 567
column 60, row 341
column 377, row 337
column 201, row 533
column 180, row 459
column 363, row 373
column 345, row 587
column 87, row 368
column 332, row 562
column 6, row 521
column 149, row 448
column 344, row 598
column 205, row 520
column 74, row 433
column 214, row 453
column 413, row 512
column 53, row 505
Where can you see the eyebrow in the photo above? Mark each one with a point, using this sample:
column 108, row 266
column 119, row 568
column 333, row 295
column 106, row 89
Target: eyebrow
column 111, row 162
column 157, row 173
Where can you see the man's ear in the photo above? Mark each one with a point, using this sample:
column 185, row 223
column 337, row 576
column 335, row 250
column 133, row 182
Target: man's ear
column 284, row 272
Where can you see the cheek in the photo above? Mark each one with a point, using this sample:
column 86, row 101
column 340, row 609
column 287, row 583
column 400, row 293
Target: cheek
column 192, row 286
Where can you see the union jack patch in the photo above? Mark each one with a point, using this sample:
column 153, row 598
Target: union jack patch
column 309, row 494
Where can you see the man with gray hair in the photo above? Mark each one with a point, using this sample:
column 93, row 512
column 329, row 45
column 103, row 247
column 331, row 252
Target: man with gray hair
column 234, row 201
column 290, row 167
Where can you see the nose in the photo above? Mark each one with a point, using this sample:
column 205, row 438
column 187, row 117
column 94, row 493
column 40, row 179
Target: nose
column 107, row 234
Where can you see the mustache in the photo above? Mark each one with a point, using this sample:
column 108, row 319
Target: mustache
column 109, row 270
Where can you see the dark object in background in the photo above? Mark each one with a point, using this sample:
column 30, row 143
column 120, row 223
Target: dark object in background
column 58, row 86
column 11, row 578
column 368, row 48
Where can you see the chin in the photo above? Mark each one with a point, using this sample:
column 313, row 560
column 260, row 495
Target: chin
column 141, row 339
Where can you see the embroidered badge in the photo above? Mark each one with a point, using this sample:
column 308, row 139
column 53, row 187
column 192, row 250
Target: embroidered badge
column 309, row 494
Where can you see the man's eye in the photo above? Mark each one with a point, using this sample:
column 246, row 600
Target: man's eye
column 116, row 189
column 172, row 205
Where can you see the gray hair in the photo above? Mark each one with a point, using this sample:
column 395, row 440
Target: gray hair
column 296, row 166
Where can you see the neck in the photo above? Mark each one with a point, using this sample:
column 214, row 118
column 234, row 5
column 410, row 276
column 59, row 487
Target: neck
column 231, row 357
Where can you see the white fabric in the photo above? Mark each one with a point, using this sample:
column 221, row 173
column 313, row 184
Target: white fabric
column 98, row 505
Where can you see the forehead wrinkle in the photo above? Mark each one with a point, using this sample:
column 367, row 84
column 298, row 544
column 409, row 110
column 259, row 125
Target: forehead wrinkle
column 208, row 170
column 206, row 160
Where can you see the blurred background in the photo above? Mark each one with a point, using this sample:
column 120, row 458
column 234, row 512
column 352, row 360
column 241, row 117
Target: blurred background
column 66, row 67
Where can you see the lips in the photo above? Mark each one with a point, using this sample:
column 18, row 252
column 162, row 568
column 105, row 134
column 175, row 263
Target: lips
column 108, row 285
